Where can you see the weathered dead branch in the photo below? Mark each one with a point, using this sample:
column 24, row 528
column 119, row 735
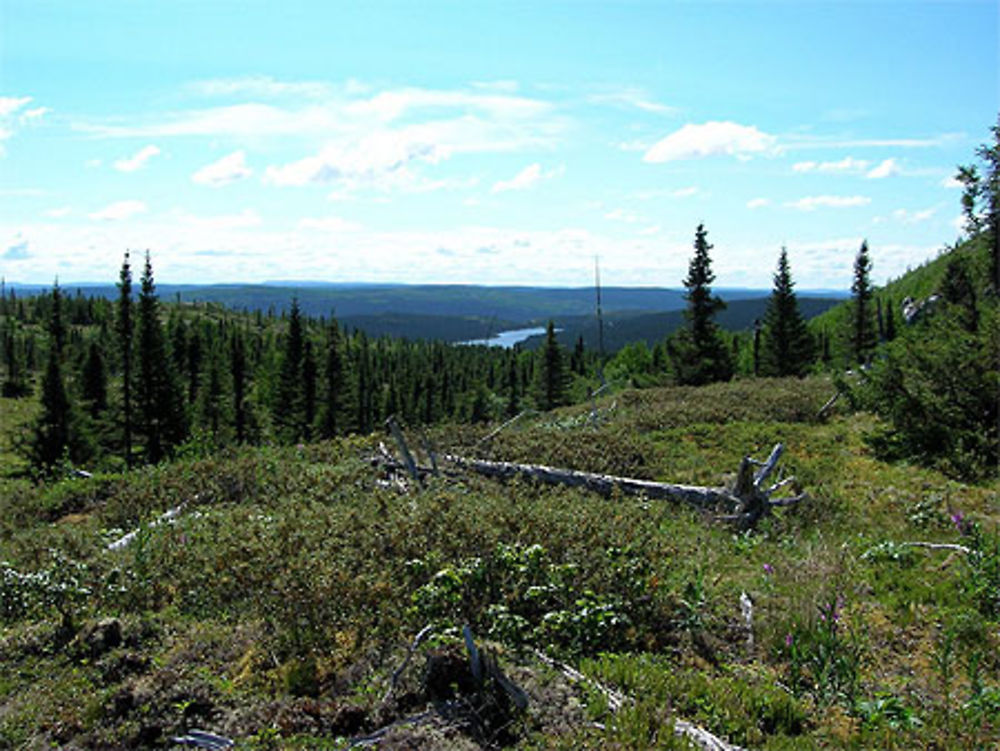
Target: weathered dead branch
column 743, row 505
column 616, row 700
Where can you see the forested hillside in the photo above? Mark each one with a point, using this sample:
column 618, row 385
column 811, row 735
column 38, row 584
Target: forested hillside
column 774, row 540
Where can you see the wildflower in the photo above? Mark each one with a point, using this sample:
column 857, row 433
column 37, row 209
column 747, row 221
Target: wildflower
column 789, row 639
column 768, row 569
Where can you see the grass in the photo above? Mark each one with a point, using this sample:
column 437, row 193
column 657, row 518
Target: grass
column 282, row 599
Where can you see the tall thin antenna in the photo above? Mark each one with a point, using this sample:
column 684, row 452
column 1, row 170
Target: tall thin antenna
column 600, row 318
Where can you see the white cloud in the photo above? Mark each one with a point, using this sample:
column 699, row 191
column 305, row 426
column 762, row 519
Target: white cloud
column 950, row 182
column 652, row 230
column 758, row 203
column 811, row 203
column 709, row 139
column 886, row 168
column 262, row 86
column 59, row 212
column 826, row 142
column 377, row 154
column 246, row 218
column 11, row 104
column 691, row 190
column 958, row 223
column 34, row 114
column 138, row 160
column 329, row 224
column 526, row 178
column 636, row 145
column 120, row 210
column 632, row 96
column 507, row 86
column 847, row 164
column 228, row 169
column 624, row 215
column 914, row 217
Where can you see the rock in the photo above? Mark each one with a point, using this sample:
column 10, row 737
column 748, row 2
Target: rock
column 96, row 639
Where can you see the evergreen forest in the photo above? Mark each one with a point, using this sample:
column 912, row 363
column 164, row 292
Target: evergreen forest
column 266, row 528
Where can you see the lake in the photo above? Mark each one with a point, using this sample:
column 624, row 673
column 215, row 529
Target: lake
column 507, row 338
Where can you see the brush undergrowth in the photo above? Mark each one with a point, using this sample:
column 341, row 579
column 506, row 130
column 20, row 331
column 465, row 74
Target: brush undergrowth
column 278, row 602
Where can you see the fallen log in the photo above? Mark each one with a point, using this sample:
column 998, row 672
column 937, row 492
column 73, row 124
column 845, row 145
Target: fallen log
column 695, row 495
column 743, row 505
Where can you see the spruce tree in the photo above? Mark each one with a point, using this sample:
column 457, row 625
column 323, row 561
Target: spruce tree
column 239, row 367
column 552, row 379
column 309, row 373
column 289, row 407
column 698, row 351
column 863, row 336
column 334, row 396
column 52, row 430
column 124, row 327
column 94, row 380
column 57, row 326
column 788, row 348
column 158, row 391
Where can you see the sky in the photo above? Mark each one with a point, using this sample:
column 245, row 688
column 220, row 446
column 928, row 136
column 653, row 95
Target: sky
column 487, row 142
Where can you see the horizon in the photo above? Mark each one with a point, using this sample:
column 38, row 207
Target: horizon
column 510, row 143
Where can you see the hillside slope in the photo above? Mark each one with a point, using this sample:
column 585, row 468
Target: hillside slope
column 278, row 605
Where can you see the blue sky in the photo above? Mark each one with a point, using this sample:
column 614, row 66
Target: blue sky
column 490, row 143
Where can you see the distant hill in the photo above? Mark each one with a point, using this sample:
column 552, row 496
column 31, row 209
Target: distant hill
column 455, row 312
column 917, row 283
column 622, row 328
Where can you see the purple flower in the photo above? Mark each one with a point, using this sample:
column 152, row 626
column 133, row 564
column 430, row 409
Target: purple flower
column 789, row 639
column 768, row 569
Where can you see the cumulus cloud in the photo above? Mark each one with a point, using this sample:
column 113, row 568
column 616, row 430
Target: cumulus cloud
column 9, row 105
column 950, row 182
column 119, row 210
column 526, row 178
column 758, row 203
column 811, row 203
column 377, row 154
column 246, row 218
column 329, row 224
column 914, row 217
column 58, row 212
column 632, row 97
column 17, row 250
column 34, row 114
column 226, row 170
column 847, row 164
column 887, row 168
column 711, row 139
column 138, row 160
column 623, row 215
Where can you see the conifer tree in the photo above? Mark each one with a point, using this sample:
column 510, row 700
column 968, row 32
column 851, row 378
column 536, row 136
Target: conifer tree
column 57, row 326
column 552, row 378
column 124, row 327
column 788, row 347
column 308, row 389
column 334, row 396
column 94, row 380
column 513, row 392
column 57, row 431
column 16, row 382
column 698, row 352
column 863, row 336
column 238, row 365
column 212, row 407
column 158, row 392
column 289, row 411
